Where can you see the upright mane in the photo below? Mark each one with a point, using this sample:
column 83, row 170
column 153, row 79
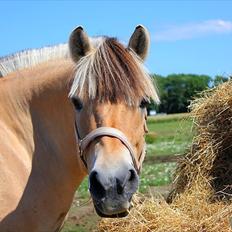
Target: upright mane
column 31, row 57
column 111, row 72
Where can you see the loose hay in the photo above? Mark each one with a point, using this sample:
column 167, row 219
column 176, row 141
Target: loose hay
column 189, row 213
column 202, row 195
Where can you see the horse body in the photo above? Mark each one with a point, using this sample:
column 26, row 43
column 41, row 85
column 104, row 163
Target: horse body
column 39, row 166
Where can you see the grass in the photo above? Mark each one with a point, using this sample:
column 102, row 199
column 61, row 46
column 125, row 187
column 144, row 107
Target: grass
column 168, row 135
column 156, row 175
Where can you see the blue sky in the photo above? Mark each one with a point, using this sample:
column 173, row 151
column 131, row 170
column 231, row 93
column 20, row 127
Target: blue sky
column 186, row 36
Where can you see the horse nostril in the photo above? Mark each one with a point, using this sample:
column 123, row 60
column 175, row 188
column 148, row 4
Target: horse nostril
column 96, row 188
column 129, row 179
column 132, row 175
column 119, row 187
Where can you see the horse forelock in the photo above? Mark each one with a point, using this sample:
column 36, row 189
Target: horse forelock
column 113, row 73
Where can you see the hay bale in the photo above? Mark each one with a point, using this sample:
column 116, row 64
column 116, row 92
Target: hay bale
column 202, row 194
column 210, row 157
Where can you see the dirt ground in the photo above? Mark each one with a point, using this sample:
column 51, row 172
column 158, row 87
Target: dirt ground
column 81, row 217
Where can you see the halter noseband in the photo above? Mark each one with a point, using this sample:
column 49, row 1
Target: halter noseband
column 109, row 132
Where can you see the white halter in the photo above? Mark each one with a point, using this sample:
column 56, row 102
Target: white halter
column 110, row 132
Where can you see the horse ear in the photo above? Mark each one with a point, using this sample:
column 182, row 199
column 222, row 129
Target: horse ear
column 79, row 44
column 140, row 41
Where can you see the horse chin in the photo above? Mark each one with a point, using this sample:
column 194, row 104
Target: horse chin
column 112, row 208
column 116, row 215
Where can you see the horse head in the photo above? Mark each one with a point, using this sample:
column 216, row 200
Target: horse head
column 110, row 91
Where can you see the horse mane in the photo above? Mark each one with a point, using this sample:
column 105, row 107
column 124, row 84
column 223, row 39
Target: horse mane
column 112, row 73
column 31, row 57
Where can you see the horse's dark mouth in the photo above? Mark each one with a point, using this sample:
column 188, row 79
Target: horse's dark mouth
column 117, row 215
column 122, row 210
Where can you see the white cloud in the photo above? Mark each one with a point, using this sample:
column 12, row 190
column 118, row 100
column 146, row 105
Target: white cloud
column 194, row 30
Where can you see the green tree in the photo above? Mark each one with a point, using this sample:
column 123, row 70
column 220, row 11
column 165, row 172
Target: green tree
column 176, row 91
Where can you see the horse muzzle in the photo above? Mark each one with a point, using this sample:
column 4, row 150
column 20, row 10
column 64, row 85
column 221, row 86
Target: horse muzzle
column 112, row 194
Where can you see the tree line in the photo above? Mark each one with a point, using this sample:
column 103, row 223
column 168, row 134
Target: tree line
column 177, row 90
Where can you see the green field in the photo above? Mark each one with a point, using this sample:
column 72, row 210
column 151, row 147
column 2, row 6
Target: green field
column 169, row 136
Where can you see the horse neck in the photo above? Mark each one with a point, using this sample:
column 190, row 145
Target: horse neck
column 40, row 98
column 53, row 118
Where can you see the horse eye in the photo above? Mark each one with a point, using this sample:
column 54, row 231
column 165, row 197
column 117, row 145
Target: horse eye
column 77, row 103
column 144, row 103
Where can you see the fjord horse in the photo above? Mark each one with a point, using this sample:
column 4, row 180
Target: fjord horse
column 65, row 113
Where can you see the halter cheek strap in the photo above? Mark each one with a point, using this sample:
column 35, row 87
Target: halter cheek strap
column 109, row 132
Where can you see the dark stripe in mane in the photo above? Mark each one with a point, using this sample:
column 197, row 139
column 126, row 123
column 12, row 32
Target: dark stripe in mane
column 121, row 82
